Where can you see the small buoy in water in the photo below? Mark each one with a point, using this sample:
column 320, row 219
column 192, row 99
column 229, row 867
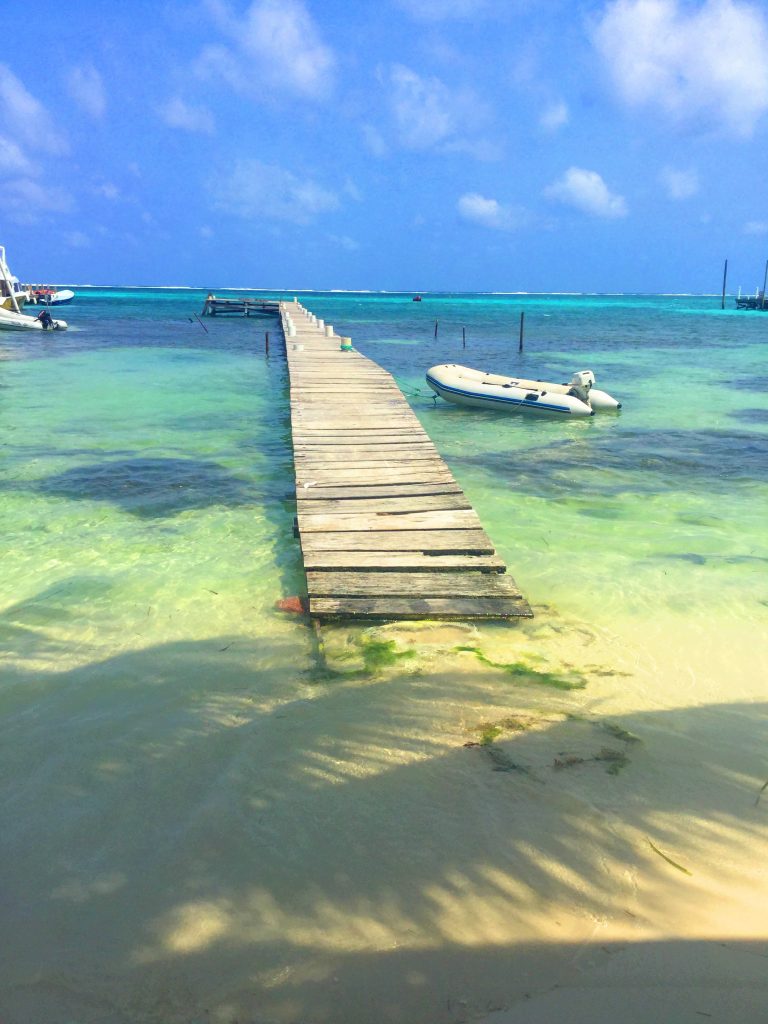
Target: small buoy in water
column 294, row 605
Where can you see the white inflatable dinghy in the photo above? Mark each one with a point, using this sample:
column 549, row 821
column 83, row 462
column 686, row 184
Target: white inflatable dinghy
column 464, row 386
column 10, row 321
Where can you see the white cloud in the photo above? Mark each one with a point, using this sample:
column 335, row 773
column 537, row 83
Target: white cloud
column 422, row 108
column 587, row 191
column 108, row 191
column 86, row 87
column 374, row 141
column 439, row 10
column 13, row 160
column 706, row 62
column 77, row 240
column 427, row 113
column 276, row 44
column 178, row 114
column 344, row 242
column 351, row 190
column 490, row 213
column 25, row 119
column 554, row 116
column 27, row 201
column 679, row 184
column 257, row 190
column 756, row 227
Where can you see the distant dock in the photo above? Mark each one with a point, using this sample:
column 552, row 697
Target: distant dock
column 385, row 530
column 758, row 301
column 240, row 307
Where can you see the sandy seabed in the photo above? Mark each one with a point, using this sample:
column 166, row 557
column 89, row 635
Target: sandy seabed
column 186, row 840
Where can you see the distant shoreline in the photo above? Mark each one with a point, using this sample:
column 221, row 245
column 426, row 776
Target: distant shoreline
column 384, row 291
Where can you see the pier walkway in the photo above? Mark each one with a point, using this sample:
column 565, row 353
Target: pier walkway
column 215, row 306
column 385, row 530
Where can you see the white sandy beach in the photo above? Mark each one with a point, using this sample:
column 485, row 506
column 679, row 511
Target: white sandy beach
column 263, row 850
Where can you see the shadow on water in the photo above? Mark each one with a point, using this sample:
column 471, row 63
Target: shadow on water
column 152, row 487
column 242, row 844
column 608, row 465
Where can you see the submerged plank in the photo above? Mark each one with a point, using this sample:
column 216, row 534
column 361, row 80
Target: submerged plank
column 450, row 583
column 419, row 608
column 382, row 562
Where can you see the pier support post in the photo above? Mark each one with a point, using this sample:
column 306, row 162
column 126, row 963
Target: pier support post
column 725, row 276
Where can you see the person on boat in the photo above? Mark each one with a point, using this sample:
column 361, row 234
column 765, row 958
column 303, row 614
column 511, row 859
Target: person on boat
column 45, row 318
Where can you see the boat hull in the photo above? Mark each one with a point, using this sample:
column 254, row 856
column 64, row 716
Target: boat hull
column 10, row 321
column 464, row 386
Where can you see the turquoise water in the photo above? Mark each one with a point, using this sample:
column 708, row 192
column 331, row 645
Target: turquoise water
column 172, row 750
column 147, row 459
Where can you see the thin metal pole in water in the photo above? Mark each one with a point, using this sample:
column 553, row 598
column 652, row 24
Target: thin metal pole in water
column 463, row 337
column 725, row 275
column 522, row 325
column 765, row 282
column 435, row 328
column 266, row 344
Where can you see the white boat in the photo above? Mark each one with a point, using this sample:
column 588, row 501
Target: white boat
column 12, row 294
column 12, row 321
column 45, row 296
column 464, row 386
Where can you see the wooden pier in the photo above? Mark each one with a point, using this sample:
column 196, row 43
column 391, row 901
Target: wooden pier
column 385, row 530
column 215, row 306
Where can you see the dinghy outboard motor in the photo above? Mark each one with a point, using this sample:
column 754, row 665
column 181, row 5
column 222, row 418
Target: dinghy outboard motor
column 581, row 384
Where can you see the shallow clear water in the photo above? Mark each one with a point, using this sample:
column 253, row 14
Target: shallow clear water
column 146, row 475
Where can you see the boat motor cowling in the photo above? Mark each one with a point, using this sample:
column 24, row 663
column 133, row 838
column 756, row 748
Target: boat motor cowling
column 581, row 382
column 583, row 378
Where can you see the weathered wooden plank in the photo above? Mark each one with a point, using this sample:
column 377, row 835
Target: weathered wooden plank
column 450, row 583
column 338, row 477
column 384, row 435
column 407, row 440
column 305, row 462
column 413, row 503
column 383, row 562
column 314, row 491
column 444, row 542
column 419, row 608
column 385, row 530
column 442, row 519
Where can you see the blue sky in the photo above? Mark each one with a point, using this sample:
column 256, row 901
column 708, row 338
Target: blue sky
column 401, row 144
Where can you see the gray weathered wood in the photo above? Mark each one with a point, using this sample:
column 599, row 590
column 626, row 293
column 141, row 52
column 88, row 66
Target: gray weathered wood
column 440, row 541
column 384, row 562
column 385, row 530
column 442, row 519
column 410, row 584
column 419, row 608
column 412, row 503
